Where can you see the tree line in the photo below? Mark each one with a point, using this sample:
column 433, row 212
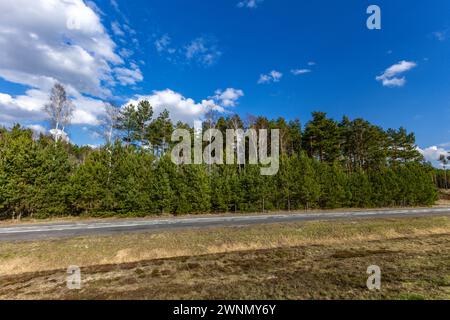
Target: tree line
column 326, row 164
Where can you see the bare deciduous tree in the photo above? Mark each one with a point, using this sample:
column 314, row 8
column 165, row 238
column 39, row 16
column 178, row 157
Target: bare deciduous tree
column 108, row 122
column 60, row 111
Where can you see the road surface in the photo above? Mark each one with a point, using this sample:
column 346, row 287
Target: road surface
column 76, row 229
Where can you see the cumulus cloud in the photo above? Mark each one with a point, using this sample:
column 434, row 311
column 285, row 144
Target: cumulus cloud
column 29, row 108
column 44, row 42
column 59, row 135
column 37, row 128
column 273, row 76
column 180, row 108
column 72, row 47
column 228, row 97
column 389, row 77
column 252, row 4
column 433, row 153
column 186, row 109
column 95, row 8
column 127, row 76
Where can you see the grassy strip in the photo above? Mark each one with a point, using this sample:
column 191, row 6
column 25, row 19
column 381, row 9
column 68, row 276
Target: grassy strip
column 22, row 257
column 413, row 267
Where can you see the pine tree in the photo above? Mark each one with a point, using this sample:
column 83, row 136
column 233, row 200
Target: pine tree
column 144, row 114
column 334, row 190
column 308, row 185
column 402, row 147
column 321, row 138
column 127, row 123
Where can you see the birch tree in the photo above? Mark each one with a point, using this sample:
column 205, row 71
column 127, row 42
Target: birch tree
column 109, row 122
column 60, row 111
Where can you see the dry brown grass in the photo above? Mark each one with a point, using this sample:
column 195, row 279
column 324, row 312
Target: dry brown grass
column 21, row 257
column 285, row 261
column 412, row 268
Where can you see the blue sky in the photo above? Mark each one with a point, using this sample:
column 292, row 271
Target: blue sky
column 186, row 54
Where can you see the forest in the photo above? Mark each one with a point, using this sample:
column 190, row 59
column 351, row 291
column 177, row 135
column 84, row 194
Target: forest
column 325, row 164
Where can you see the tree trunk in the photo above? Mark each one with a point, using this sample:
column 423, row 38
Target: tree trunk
column 445, row 175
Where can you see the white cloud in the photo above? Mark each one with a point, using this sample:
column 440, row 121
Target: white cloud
column 202, row 50
column 72, row 46
column 433, row 153
column 252, row 4
column 163, row 44
column 29, row 108
column 398, row 68
column 389, row 77
column 126, row 53
column 47, row 41
column 297, row 72
column 37, row 128
column 180, row 108
column 228, row 97
column 115, row 5
column 59, row 135
column 394, row 82
column 87, row 110
column 273, row 76
column 95, row 8
column 130, row 30
column 186, row 109
column 115, row 27
column 311, row 63
column 128, row 76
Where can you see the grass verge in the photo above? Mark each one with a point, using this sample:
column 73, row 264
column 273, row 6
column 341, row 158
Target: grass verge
column 287, row 261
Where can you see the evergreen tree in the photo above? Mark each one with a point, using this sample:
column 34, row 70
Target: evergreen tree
column 402, row 147
column 333, row 186
column 321, row 138
column 364, row 146
column 127, row 123
column 353, row 164
column 143, row 116
column 308, row 185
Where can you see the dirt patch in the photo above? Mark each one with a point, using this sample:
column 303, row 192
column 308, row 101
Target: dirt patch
column 346, row 254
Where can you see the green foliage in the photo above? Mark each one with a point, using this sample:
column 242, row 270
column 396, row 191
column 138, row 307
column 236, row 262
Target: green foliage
column 34, row 175
column 321, row 138
column 328, row 165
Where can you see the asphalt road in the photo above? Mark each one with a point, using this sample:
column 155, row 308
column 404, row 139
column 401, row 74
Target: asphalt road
column 74, row 229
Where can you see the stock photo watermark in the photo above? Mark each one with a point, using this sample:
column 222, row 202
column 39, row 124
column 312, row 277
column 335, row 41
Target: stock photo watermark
column 73, row 280
column 374, row 20
column 374, row 280
column 235, row 147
